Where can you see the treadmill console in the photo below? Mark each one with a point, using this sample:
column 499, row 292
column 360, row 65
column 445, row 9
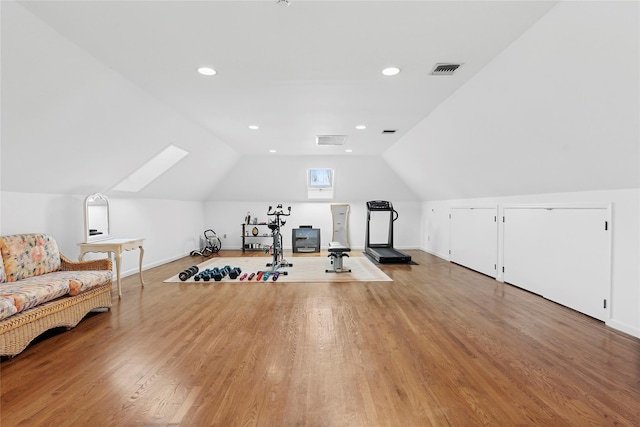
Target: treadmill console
column 379, row 205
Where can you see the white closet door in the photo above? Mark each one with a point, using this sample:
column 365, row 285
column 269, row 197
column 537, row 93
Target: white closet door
column 562, row 254
column 527, row 258
column 474, row 238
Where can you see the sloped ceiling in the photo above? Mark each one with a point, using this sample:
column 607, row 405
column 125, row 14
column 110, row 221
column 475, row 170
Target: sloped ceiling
column 549, row 115
column 98, row 88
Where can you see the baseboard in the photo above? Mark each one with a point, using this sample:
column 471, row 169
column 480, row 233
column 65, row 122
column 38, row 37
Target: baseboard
column 623, row 327
column 439, row 255
column 133, row 271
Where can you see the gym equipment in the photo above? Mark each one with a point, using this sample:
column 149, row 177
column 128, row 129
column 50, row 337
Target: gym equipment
column 276, row 248
column 275, row 276
column 206, row 274
column 200, row 276
column 220, row 273
column 235, row 272
column 251, row 276
column 259, row 275
column 339, row 244
column 184, row 275
column 212, row 244
column 244, row 276
column 266, row 275
column 383, row 252
column 336, row 252
column 340, row 216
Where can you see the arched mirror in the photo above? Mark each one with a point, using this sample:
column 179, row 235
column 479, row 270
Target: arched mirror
column 96, row 218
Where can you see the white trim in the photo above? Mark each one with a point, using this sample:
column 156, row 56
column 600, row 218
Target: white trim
column 623, row 327
column 557, row 206
column 494, row 206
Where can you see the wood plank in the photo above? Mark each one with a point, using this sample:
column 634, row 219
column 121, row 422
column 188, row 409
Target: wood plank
column 440, row 345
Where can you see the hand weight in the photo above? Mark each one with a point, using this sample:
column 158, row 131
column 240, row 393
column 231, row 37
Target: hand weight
column 184, row 275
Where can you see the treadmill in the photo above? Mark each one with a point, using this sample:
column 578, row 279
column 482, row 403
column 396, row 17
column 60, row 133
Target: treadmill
column 383, row 252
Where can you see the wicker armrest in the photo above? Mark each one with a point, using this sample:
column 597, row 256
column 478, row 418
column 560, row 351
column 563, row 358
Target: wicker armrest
column 96, row 264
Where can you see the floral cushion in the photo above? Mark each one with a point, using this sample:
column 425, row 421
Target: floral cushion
column 7, row 307
column 81, row 281
column 3, row 275
column 37, row 290
column 28, row 255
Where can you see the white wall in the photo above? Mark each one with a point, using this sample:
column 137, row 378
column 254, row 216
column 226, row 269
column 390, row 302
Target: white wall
column 625, row 270
column 227, row 217
column 272, row 178
column 171, row 228
column 259, row 181
column 60, row 215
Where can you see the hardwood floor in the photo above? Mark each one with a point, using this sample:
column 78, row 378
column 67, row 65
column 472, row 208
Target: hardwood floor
column 440, row 345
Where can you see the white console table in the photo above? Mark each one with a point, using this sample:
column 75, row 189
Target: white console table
column 117, row 246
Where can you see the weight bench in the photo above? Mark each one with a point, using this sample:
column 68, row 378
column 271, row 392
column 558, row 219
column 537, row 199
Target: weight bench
column 336, row 251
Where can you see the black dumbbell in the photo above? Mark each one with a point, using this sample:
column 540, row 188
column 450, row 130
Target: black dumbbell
column 235, row 272
column 193, row 270
column 203, row 275
column 184, row 275
column 212, row 273
column 216, row 274
column 221, row 273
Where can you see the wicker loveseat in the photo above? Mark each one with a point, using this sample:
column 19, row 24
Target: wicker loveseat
column 41, row 289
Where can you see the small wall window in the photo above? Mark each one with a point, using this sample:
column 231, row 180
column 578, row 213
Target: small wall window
column 320, row 183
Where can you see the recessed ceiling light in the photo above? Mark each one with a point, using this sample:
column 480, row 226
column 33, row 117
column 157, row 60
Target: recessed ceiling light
column 391, row 71
column 207, row 71
column 254, row 127
column 361, row 127
column 272, row 151
column 348, row 150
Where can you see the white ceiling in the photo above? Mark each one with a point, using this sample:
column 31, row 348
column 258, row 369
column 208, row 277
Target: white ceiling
column 311, row 68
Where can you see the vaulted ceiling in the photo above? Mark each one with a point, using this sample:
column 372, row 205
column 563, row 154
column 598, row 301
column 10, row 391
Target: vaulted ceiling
column 311, row 68
column 108, row 84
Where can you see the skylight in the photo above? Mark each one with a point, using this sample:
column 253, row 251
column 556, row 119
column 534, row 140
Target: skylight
column 320, row 183
column 151, row 170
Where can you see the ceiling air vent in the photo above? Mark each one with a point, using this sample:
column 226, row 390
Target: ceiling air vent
column 388, row 131
column 444, row 69
column 331, row 139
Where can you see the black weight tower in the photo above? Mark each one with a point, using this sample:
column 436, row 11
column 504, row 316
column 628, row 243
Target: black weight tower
column 383, row 252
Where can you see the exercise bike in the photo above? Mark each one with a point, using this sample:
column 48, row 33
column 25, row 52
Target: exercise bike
column 212, row 244
column 276, row 248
